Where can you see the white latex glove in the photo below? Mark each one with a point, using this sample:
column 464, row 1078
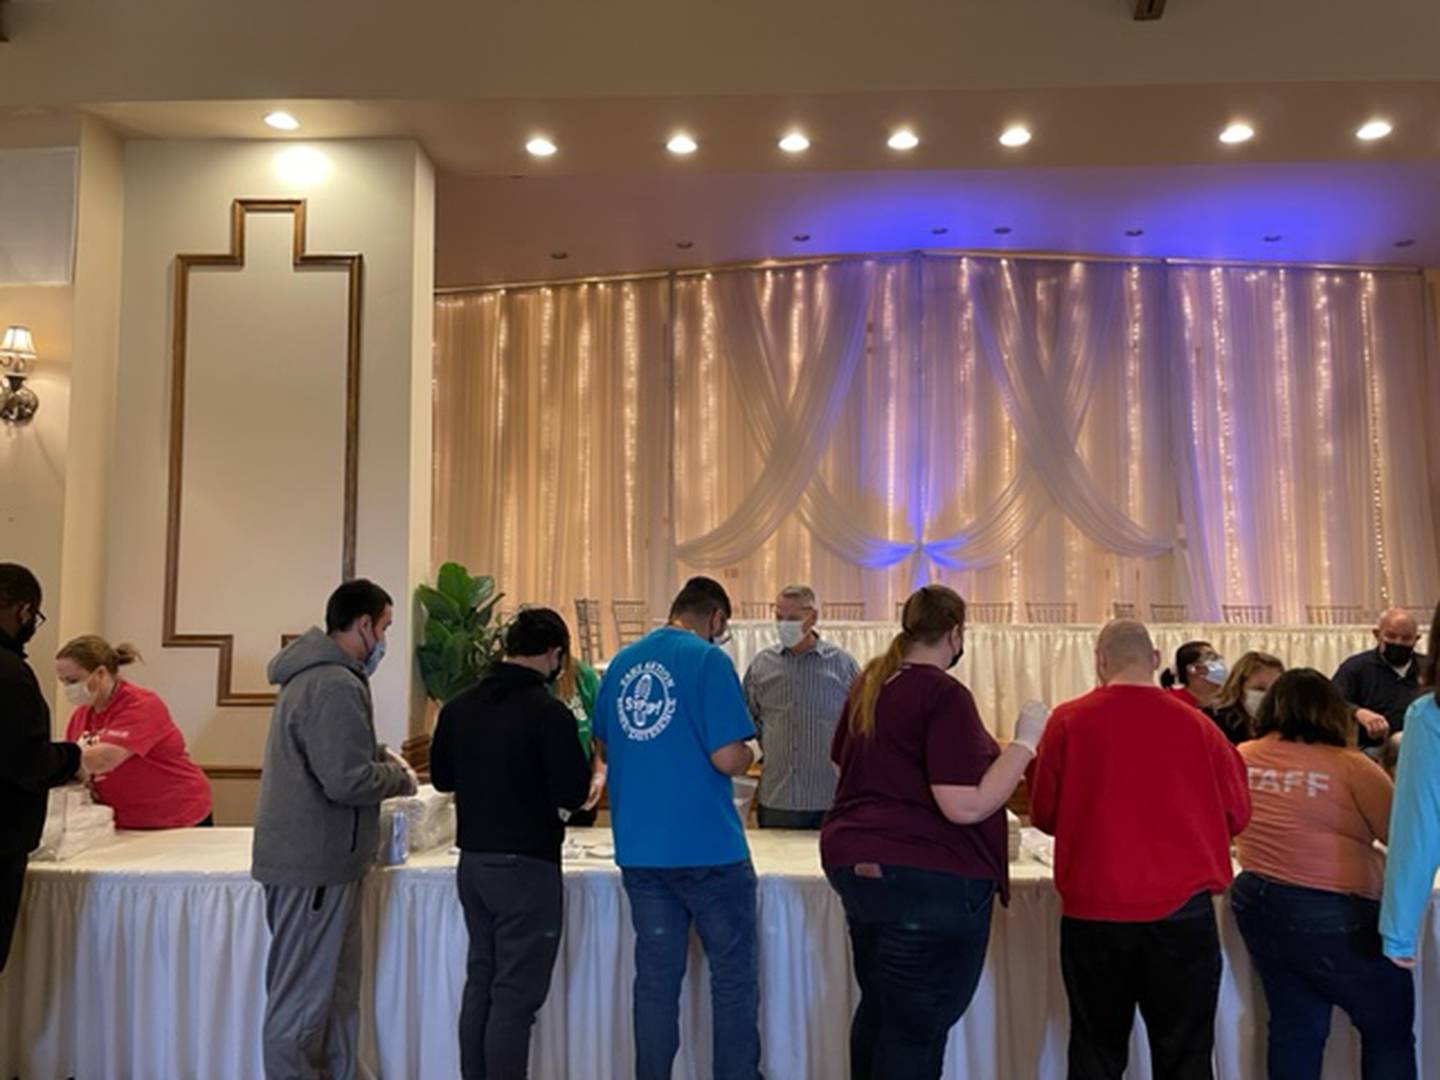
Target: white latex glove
column 597, row 788
column 1030, row 726
column 756, row 750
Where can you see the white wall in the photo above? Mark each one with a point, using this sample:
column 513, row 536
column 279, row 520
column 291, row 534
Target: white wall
column 264, row 409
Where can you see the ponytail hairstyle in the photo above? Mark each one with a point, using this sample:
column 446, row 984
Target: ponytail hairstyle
column 1187, row 654
column 568, row 680
column 929, row 614
column 92, row 653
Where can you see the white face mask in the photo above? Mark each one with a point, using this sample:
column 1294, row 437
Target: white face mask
column 79, row 693
column 791, row 632
column 1253, row 698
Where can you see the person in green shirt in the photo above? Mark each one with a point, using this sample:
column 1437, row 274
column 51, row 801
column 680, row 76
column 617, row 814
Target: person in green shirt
column 577, row 687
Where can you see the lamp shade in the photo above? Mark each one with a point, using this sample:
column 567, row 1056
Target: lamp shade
column 18, row 343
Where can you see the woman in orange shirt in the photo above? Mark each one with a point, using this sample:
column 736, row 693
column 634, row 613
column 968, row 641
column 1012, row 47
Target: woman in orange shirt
column 132, row 749
column 1308, row 902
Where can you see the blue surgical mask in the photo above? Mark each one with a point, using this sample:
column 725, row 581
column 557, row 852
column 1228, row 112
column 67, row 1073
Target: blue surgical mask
column 374, row 656
column 1216, row 671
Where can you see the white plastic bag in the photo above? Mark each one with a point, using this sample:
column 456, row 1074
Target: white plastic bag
column 74, row 823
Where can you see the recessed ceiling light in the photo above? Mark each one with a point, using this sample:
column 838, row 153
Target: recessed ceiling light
column 1134, row 232
column 801, row 237
column 684, row 245
column 1237, row 132
column 1272, row 238
column 939, row 230
column 1015, row 135
column 282, row 121
column 904, row 139
column 539, row 146
column 1373, row 129
column 795, row 143
column 1404, row 243
column 1002, row 230
column 682, row 144
column 558, row 255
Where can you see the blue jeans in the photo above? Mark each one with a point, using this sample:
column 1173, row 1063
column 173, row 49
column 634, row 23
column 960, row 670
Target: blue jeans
column 1314, row 950
column 720, row 901
column 919, row 939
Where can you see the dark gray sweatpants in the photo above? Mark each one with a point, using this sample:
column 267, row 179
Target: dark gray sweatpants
column 312, row 982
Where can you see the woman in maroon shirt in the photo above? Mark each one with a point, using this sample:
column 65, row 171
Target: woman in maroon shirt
column 916, row 844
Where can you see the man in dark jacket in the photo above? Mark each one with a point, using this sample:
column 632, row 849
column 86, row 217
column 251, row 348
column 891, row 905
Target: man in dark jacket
column 317, row 831
column 30, row 764
column 512, row 755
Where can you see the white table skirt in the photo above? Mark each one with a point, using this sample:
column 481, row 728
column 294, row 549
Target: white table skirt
column 147, row 960
column 1006, row 665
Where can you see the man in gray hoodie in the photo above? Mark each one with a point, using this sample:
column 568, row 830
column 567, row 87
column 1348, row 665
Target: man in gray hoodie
column 317, row 833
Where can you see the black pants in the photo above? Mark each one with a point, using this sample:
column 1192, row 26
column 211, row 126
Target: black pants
column 514, row 908
column 919, row 940
column 767, row 818
column 1169, row 968
column 12, row 882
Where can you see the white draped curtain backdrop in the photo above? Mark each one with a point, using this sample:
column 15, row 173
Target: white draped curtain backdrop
column 1027, row 430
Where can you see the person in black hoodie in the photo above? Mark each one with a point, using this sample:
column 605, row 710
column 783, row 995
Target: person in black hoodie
column 30, row 764
column 508, row 750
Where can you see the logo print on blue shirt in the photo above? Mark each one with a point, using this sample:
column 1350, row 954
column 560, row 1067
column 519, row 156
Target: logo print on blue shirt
column 644, row 703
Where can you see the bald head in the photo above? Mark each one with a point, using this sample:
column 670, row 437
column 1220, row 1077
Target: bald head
column 1397, row 621
column 1125, row 653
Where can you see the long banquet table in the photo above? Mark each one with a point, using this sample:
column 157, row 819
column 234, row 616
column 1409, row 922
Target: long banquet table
column 146, row 959
column 1006, row 665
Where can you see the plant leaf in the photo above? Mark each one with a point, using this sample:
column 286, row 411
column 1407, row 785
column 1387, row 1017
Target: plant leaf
column 436, row 633
column 456, row 584
column 438, row 605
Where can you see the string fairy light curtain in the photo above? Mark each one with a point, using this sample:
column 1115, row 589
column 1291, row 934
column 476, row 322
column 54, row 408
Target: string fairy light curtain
column 1056, row 431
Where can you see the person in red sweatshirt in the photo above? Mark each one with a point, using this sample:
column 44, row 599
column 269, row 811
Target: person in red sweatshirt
column 1142, row 794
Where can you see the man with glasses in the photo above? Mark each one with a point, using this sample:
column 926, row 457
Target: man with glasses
column 30, row 763
column 796, row 690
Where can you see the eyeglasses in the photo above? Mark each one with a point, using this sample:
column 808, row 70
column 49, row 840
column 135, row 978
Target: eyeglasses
column 39, row 618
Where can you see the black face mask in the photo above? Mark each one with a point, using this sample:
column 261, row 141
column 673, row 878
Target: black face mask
column 1396, row 655
column 958, row 654
column 27, row 631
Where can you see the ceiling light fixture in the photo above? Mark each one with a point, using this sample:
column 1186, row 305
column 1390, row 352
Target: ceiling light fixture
column 1134, row 232
column 281, row 120
column 795, row 143
column 801, row 237
column 682, row 144
column 1015, row 135
column 1272, row 238
column 1237, row 132
column 1373, row 129
column 1002, row 230
column 539, row 146
column 1404, row 243
column 684, row 245
column 558, row 255
column 904, row 139
column 939, row 230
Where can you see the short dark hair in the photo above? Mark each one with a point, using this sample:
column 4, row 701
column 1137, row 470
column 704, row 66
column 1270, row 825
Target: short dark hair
column 18, row 586
column 1304, row 706
column 352, row 600
column 701, row 596
column 535, row 631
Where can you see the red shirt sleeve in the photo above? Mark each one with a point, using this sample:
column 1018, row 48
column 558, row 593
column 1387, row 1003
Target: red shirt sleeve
column 75, row 727
column 1234, row 780
column 139, row 724
column 958, row 749
column 1044, row 776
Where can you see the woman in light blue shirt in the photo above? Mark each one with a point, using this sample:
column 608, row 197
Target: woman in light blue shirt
column 1414, row 822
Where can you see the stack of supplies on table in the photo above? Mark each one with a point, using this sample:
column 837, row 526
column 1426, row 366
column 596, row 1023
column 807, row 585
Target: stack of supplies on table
column 415, row 823
column 74, row 822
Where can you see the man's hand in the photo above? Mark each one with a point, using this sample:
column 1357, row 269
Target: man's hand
column 597, row 787
column 410, row 773
column 1374, row 725
column 1406, row 962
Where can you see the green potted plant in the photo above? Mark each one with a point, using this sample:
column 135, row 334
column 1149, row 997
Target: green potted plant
column 462, row 634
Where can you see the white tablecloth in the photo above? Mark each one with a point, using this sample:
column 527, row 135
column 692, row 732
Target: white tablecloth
column 1006, row 665
column 146, row 960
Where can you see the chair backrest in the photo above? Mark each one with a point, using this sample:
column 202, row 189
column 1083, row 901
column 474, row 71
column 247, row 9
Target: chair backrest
column 990, row 611
column 1050, row 613
column 1121, row 610
column 587, row 630
column 1169, row 613
column 1247, row 614
column 756, row 609
column 632, row 620
column 843, row 611
column 1335, row 614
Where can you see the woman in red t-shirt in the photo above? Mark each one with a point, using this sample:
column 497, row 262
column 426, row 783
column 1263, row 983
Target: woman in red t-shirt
column 916, row 843
column 1198, row 676
column 132, row 749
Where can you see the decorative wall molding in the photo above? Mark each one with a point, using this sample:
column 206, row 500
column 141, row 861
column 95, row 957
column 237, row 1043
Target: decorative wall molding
column 301, row 259
column 231, row 772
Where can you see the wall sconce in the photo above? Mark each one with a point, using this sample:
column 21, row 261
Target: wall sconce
column 17, row 352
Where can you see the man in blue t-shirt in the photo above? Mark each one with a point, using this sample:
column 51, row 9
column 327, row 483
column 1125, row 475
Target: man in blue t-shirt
column 676, row 728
